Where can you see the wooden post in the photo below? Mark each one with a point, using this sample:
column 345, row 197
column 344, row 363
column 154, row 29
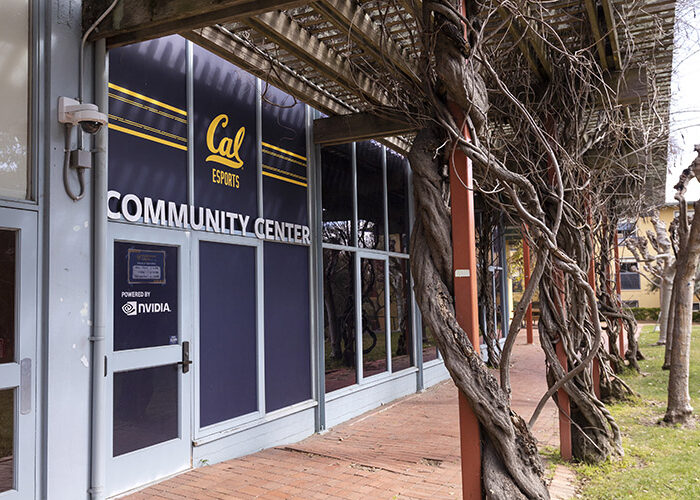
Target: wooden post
column 528, row 314
column 466, row 306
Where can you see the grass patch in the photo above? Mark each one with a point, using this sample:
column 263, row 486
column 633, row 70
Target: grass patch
column 660, row 462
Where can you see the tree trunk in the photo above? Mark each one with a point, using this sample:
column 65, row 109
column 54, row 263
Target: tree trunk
column 679, row 409
column 665, row 303
column 511, row 466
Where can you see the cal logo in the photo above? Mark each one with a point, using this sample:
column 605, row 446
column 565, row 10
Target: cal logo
column 227, row 151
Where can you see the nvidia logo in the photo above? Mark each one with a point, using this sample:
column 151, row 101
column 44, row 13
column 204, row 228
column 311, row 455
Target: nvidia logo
column 130, row 308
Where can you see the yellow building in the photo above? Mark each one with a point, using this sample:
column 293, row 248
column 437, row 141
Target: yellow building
column 637, row 289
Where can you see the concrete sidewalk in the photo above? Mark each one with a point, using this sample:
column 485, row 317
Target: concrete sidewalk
column 405, row 450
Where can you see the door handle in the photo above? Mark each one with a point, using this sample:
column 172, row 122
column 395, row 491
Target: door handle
column 185, row 357
column 25, row 386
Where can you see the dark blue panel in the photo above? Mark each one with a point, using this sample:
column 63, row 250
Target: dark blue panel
column 284, row 156
column 287, row 328
column 148, row 120
column 227, row 332
column 225, row 166
column 146, row 408
column 145, row 311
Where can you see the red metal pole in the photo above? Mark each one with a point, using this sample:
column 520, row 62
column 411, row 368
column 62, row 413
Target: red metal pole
column 591, row 281
column 528, row 314
column 466, row 307
column 564, row 410
column 618, row 288
column 563, row 402
column 464, row 264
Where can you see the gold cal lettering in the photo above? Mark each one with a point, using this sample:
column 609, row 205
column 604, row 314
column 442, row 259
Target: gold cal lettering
column 227, row 152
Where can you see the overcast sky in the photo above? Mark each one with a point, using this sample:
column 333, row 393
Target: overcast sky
column 685, row 91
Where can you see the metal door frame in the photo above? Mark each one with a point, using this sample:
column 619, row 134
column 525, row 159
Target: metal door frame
column 154, row 462
column 22, row 373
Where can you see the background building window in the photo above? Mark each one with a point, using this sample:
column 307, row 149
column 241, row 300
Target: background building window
column 629, row 276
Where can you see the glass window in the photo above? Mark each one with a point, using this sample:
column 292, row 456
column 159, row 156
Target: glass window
column 337, row 186
column 370, row 195
column 339, row 318
column 373, row 317
column 629, row 276
column 397, row 193
column 14, row 98
column 430, row 351
column 399, row 293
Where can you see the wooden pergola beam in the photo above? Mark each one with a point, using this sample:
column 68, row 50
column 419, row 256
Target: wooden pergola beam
column 291, row 36
column 612, row 31
column 362, row 126
column 349, row 18
column 592, row 12
column 236, row 52
column 135, row 20
column 227, row 47
column 530, row 45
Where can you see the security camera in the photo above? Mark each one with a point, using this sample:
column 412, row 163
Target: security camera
column 86, row 115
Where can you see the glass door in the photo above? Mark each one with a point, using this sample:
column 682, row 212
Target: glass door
column 18, row 323
column 149, row 373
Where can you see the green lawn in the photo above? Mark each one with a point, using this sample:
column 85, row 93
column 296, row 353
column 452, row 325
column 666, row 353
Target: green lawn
column 660, row 462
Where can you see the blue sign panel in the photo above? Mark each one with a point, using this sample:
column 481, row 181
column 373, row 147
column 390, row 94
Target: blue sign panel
column 145, row 296
column 225, row 151
column 148, row 119
column 287, row 325
column 284, row 161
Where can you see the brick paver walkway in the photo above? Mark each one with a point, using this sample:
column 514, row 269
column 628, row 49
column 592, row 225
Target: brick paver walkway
column 405, row 450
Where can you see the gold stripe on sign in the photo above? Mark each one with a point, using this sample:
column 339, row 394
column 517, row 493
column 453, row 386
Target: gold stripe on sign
column 147, row 137
column 147, row 99
column 292, row 181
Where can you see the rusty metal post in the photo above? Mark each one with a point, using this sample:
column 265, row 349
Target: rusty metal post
column 466, row 306
column 528, row 314
column 563, row 401
column 591, row 281
column 464, row 265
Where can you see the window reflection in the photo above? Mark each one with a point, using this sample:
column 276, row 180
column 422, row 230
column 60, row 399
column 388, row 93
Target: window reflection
column 399, row 293
column 397, row 192
column 336, row 179
column 373, row 317
column 339, row 318
column 429, row 346
column 14, row 98
column 370, row 196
